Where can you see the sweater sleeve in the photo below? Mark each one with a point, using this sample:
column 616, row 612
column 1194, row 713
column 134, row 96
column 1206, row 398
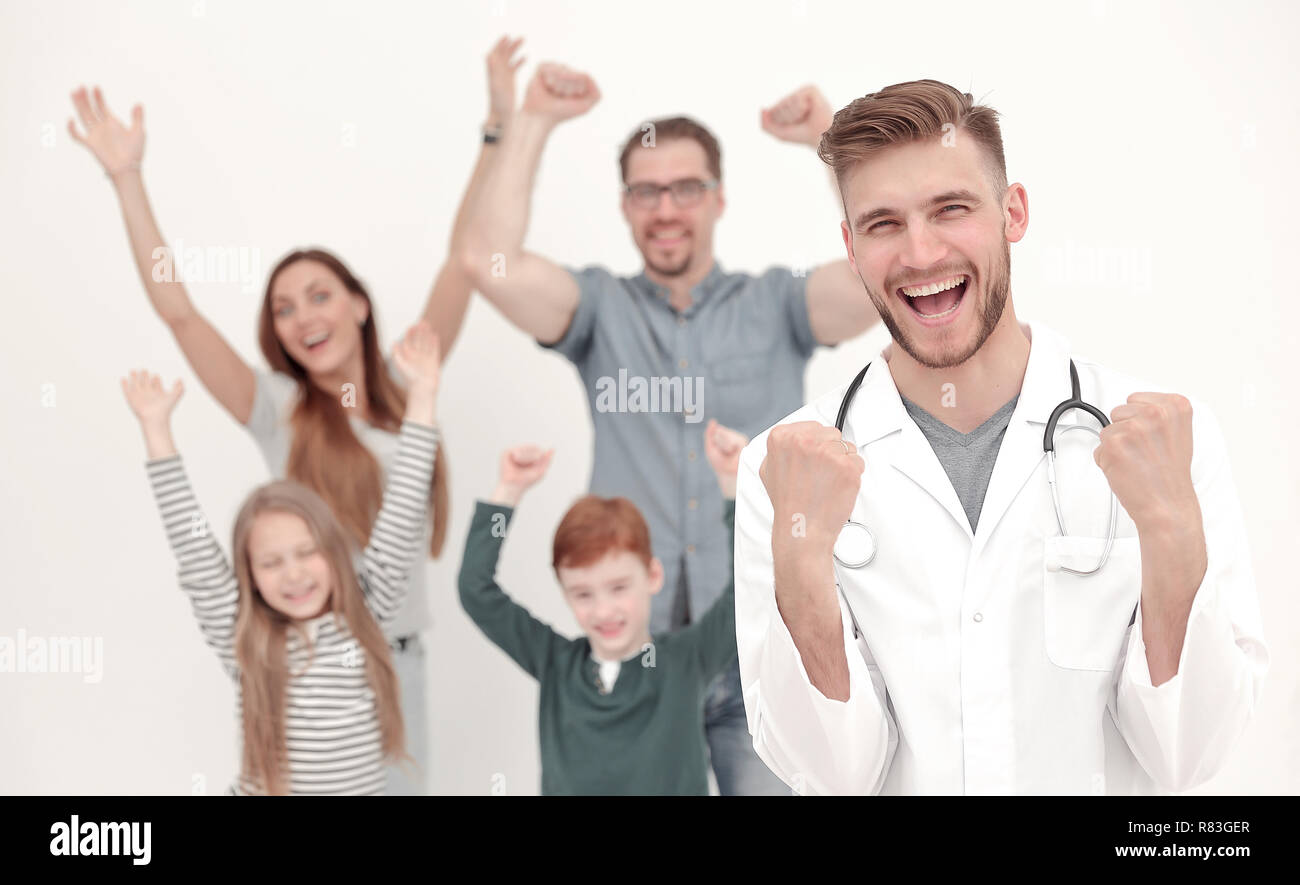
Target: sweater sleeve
column 204, row 572
column 398, row 530
column 512, row 627
column 713, row 636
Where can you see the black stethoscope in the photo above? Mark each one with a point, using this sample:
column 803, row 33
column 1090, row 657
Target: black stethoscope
column 856, row 546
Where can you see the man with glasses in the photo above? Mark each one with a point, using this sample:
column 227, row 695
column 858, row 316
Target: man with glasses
column 661, row 351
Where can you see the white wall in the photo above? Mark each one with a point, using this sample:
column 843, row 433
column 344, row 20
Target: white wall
column 1163, row 140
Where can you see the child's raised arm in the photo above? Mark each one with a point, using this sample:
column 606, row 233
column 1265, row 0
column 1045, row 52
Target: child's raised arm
column 204, row 572
column 152, row 407
column 521, row 468
column 722, row 446
column 514, row 629
column 714, row 634
column 397, row 533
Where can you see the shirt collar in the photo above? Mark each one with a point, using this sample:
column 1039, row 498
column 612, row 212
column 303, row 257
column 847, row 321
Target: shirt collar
column 877, row 409
column 313, row 627
column 591, row 653
column 699, row 292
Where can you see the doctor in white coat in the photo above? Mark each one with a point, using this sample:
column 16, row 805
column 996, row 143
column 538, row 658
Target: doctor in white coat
column 978, row 665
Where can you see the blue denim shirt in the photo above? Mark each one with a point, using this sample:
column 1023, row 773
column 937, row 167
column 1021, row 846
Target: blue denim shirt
column 654, row 376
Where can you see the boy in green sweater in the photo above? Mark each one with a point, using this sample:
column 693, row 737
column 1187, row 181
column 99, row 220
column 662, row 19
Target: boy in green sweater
column 621, row 712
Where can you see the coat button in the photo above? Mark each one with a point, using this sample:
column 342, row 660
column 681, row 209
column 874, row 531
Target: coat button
column 978, row 617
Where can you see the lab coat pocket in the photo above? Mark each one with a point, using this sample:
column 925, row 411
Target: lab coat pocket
column 1085, row 617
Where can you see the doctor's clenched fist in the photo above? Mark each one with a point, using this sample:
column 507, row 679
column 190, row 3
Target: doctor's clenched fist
column 1146, row 454
column 812, row 476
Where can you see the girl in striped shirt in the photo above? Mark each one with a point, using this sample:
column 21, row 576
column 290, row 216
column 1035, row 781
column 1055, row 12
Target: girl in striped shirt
column 298, row 621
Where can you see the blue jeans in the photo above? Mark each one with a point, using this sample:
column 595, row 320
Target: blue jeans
column 736, row 766
column 406, row 779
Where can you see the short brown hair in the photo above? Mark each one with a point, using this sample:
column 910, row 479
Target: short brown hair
column 669, row 128
column 595, row 526
column 908, row 112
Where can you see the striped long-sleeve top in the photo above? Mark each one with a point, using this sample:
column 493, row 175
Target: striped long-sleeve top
column 332, row 732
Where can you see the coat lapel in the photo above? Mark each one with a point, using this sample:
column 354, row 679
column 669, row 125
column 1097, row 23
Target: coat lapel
column 879, row 425
column 1046, row 384
column 883, row 431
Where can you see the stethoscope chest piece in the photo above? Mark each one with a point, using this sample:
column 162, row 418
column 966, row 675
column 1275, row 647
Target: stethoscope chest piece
column 855, row 546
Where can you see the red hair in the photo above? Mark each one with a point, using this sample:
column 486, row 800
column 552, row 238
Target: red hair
column 595, row 526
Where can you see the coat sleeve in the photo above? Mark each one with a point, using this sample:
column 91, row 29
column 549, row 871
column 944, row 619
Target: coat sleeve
column 1183, row 730
column 818, row 746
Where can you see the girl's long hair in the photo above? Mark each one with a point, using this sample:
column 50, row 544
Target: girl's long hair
column 325, row 454
column 261, row 632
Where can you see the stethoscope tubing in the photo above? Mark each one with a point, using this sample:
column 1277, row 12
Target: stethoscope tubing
column 1049, row 448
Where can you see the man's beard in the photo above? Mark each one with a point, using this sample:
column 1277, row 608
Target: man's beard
column 994, row 304
column 668, row 270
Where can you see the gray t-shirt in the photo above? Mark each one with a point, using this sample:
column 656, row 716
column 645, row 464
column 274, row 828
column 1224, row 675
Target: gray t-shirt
column 273, row 404
column 967, row 458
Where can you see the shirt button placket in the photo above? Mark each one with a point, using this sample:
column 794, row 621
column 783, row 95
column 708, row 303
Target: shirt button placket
column 690, row 463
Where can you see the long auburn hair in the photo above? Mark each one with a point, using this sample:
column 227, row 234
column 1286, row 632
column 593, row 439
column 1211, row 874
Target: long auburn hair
column 325, row 454
column 261, row 633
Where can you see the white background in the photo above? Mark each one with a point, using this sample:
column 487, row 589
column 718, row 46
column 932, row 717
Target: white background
column 1161, row 137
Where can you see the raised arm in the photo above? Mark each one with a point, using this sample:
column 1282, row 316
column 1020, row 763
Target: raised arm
column 838, row 305
column 1194, row 661
column 535, row 294
column 528, row 641
column 120, row 151
column 714, row 635
column 204, row 572
column 449, row 298
column 817, row 706
column 397, row 533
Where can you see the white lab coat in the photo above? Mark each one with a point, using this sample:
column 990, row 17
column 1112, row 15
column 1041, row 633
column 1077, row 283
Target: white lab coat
column 983, row 668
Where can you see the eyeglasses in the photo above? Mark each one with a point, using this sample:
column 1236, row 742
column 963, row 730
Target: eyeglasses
column 686, row 192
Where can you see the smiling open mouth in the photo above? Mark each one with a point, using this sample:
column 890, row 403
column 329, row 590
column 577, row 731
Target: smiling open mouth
column 668, row 237
column 317, row 341
column 301, row 593
column 936, row 300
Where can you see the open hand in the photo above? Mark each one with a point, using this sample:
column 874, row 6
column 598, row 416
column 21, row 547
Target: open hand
column 116, row 147
column 418, row 356
column 501, row 79
column 145, row 395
